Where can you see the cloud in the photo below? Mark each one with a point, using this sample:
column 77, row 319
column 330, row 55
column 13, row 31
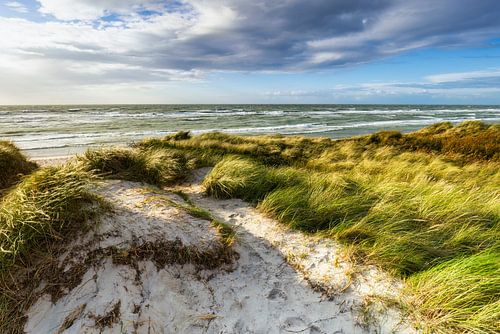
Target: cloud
column 95, row 9
column 464, row 76
column 16, row 6
column 151, row 40
column 450, row 85
column 271, row 35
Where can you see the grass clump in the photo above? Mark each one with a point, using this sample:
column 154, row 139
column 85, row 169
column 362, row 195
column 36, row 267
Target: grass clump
column 472, row 140
column 271, row 150
column 467, row 142
column 406, row 213
column 461, row 296
column 39, row 209
column 155, row 166
column 13, row 164
column 238, row 177
column 320, row 202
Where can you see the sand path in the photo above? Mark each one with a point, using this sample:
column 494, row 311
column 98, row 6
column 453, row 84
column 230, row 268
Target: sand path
column 282, row 282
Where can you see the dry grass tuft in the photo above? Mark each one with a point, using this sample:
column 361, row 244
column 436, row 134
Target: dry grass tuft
column 13, row 165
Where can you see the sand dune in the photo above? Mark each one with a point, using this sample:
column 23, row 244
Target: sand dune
column 144, row 268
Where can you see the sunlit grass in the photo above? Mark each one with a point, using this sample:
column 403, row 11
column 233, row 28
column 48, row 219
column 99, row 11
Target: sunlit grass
column 13, row 164
column 155, row 166
column 462, row 295
column 37, row 212
column 39, row 208
column 424, row 205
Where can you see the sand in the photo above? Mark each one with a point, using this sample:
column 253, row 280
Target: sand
column 51, row 161
column 281, row 281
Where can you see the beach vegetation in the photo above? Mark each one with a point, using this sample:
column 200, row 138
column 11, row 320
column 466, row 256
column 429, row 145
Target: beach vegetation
column 39, row 209
column 424, row 206
column 460, row 296
column 155, row 166
column 466, row 142
column 13, row 165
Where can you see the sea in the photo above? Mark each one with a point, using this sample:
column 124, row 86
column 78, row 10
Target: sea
column 50, row 131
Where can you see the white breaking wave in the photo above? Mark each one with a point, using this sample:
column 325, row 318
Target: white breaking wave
column 41, row 129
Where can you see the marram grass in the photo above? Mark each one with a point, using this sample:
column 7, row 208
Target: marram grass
column 467, row 142
column 39, row 208
column 403, row 225
column 13, row 164
column 424, row 205
column 461, row 296
column 155, row 166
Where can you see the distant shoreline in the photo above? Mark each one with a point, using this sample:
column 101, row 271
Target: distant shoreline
column 47, row 132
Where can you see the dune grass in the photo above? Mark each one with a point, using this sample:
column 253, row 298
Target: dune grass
column 209, row 148
column 423, row 205
column 39, row 208
column 467, row 142
column 462, row 295
column 405, row 225
column 155, row 166
column 472, row 140
column 13, row 164
column 38, row 212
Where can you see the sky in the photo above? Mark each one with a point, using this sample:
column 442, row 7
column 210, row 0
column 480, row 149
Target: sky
column 250, row 51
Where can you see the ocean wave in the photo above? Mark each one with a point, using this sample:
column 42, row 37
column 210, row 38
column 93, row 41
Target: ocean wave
column 36, row 129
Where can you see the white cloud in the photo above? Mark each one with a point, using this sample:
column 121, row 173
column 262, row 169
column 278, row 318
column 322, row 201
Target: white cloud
column 17, row 6
column 460, row 76
column 93, row 9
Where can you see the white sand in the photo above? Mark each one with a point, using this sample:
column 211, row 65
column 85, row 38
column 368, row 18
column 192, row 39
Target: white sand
column 262, row 293
column 52, row 161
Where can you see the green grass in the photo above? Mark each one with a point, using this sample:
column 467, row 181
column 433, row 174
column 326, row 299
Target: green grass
column 237, row 177
column 472, row 140
column 462, row 295
column 155, row 166
column 39, row 209
column 13, row 164
column 467, row 142
column 424, row 206
column 209, row 148
column 38, row 212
